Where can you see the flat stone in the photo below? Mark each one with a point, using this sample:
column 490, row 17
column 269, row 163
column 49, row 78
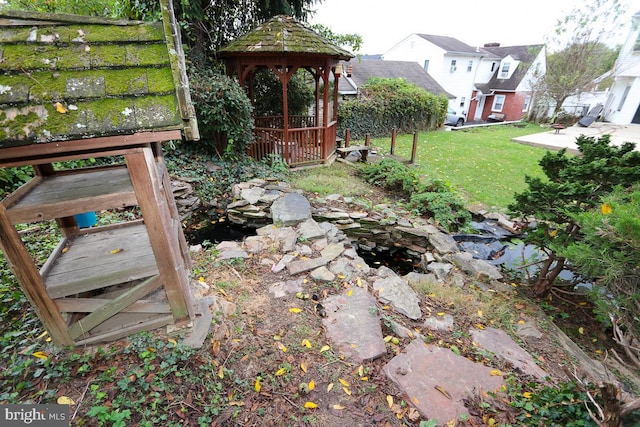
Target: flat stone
column 349, row 269
column 400, row 295
column 529, row 330
column 477, row 268
column 319, row 244
column 502, row 345
column 332, row 251
column 443, row 243
column 291, row 209
column 310, row 230
column 439, row 323
column 420, row 368
column 230, row 250
column 238, row 204
column 282, row 289
column 353, row 325
column 297, row 267
column 255, row 244
column 282, row 263
column 415, row 279
column 440, row 269
column 252, row 195
column 201, row 324
column 269, row 196
column 323, row 274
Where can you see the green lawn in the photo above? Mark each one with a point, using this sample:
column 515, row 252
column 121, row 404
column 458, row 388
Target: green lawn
column 482, row 163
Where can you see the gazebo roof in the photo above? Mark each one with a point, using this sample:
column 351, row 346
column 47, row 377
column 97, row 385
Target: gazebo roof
column 281, row 35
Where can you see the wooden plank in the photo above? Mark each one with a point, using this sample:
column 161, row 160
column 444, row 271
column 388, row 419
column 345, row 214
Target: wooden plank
column 16, row 195
column 38, row 159
column 64, row 195
column 90, row 264
column 92, row 320
column 120, row 326
column 87, row 305
column 147, row 186
column 32, row 284
column 11, row 156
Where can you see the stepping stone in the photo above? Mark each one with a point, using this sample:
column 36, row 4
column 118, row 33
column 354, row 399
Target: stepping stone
column 353, row 325
column 396, row 291
column 436, row 380
column 498, row 342
column 291, row 209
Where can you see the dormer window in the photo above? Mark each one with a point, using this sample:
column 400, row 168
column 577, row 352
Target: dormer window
column 453, row 67
column 504, row 72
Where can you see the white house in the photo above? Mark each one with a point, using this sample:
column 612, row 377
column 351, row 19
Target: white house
column 623, row 104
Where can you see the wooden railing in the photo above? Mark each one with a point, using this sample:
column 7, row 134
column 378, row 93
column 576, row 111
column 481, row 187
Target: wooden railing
column 301, row 146
column 277, row 122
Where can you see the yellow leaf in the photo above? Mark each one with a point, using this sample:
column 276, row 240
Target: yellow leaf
column 116, row 251
column 491, row 422
column 303, row 367
column 395, row 340
column 60, row 108
column 42, row 335
column 606, row 209
column 581, row 331
column 359, row 282
column 172, row 341
column 526, row 395
column 329, row 387
column 220, row 372
column 338, row 407
column 311, row 385
column 495, row 373
column 521, row 322
column 582, row 303
column 65, row 250
column 201, row 279
column 360, row 370
column 346, row 390
column 64, row 400
column 280, row 372
column 310, row 405
column 325, row 348
column 479, row 313
column 258, row 385
column 444, row 392
column 387, row 338
column 295, row 310
column 341, row 276
column 343, row 382
column 479, row 326
column 389, row 400
column 350, row 292
column 40, row 355
column 281, row 347
column 553, row 233
column 306, row 343
column 364, row 378
column 440, row 313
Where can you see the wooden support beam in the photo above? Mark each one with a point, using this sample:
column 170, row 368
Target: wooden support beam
column 108, row 310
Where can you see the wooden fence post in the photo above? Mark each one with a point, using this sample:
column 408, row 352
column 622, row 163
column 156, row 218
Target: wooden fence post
column 367, row 140
column 347, row 137
column 413, row 149
column 393, row 141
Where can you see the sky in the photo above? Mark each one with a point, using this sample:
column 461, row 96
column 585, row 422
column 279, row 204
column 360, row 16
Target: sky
column 384, row 23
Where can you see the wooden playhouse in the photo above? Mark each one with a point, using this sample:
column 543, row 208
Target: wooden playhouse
column 80, row 88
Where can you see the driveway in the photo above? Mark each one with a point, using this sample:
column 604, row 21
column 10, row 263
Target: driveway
column 567, row 137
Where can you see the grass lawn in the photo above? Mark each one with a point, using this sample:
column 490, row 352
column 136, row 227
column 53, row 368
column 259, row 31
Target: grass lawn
column 482, row 163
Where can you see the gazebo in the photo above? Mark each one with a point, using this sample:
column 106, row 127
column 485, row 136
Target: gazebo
column 284, row 45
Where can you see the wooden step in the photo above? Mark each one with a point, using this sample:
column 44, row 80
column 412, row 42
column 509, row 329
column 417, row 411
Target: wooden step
column 69, row 193
column 88, row 262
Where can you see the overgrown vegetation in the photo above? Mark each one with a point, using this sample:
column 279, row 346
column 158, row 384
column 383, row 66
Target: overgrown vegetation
column 430, row 197
column 391, row 103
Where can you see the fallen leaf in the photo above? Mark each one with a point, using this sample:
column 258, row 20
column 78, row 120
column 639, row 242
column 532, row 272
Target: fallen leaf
column 40, row 355
column 172, row 341
column 329, row 387
column 338, row 407
column 444, row 392
column 325, row 348
column 60, row 108
column 387, row 338
column 606, row 209
column 479, row 326
column 221, row 372
column 306, row 343
column 389, row 400
column 440, row 313
column 65, row 250
column 479, row 313
column 527, row 395
column 116, row 251
column 343, row 382
column 360, row 370
column 258, row 385
column 581, row 330
column 496, row 373
column 311, row 385
column 64, row 400
column 310, row 405
column 281, row 346
column 346, row 390
column 280, row 372
column 295, row 310
column 350, row 292
column 303, row 367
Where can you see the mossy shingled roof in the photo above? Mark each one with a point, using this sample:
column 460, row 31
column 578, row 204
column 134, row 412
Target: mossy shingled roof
column 284, row 35
column 66, row 77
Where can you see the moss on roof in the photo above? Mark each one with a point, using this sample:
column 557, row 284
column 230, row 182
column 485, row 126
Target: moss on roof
column 283, row 34
column 67, row 77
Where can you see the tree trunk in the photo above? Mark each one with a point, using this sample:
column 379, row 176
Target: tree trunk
column 547, row 276
column 611, row 405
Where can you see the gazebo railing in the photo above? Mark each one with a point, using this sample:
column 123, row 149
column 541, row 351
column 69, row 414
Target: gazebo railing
column 277, row 122
column 300, row 146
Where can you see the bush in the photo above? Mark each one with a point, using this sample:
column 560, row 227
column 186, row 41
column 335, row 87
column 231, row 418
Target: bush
column 268, row 94
column 391, row 103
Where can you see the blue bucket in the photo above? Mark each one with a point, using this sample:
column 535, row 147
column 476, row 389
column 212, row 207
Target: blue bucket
column 86, row 219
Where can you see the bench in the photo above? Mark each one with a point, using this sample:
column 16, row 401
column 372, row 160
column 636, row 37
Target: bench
column 498, row 117
column 363, row 149
column 558, row 127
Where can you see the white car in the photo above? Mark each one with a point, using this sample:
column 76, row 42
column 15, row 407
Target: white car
column 453, row 118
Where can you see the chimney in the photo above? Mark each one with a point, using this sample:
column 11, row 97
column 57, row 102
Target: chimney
column 494, row 44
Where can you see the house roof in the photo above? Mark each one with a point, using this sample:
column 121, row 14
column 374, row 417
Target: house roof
column 525, row 54
column 451, row 45
column 284, row 34
column 68, row 77
column 411, row 71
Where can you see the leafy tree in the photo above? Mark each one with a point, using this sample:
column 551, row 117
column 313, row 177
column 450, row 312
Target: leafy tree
column 351, row 41
column 574, row 185
column 268, row 94
column 580, row 53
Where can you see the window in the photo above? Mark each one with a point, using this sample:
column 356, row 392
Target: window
column 504, row 73
column 462, row 101
column 527, row 103
column 469, row 66
column 636, row 46
column 498, row 103
column 426, row 65
column 453, row 66
column 624, row 97
column 493, row 67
